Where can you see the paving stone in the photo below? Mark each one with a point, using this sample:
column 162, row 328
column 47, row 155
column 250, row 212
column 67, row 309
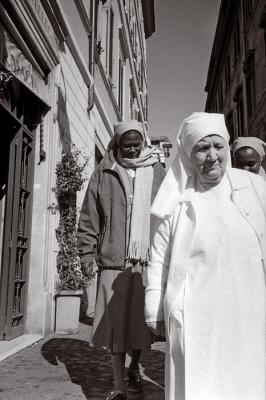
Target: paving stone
column 62, row 367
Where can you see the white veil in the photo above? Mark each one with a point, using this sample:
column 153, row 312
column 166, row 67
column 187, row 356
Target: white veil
column 193, row 128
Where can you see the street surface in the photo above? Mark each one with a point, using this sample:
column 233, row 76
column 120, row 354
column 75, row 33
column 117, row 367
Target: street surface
column 65, row 367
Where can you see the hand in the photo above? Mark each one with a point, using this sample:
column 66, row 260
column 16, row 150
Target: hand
column 87, row 269
column 157, row 327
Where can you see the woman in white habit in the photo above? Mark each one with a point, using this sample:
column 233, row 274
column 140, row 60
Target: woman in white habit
column 206, row 278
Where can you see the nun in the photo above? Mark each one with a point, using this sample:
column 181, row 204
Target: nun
column 114, row 230
column 249, row 153
column 206, row 277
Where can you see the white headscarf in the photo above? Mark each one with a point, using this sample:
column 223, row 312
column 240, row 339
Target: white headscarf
column 255, row 143
column 194, row 128
column 130, row 125
column 123, row 127
column 250, row 141
column 149, row 155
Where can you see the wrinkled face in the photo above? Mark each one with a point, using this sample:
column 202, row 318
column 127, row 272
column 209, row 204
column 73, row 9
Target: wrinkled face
column 209, row 158
column 248, row 159
column 130, row 144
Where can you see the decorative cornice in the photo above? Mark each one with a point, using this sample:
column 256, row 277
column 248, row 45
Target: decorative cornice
column 34, row 23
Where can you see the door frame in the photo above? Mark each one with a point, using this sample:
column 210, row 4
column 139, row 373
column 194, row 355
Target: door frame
column 16, row 249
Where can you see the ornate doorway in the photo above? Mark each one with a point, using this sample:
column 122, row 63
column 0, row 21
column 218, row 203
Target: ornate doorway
column 16, row 180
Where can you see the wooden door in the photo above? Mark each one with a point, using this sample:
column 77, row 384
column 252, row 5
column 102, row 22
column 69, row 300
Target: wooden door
column 16, row 225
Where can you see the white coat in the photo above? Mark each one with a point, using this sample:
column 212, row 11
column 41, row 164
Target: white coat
column 169, row 277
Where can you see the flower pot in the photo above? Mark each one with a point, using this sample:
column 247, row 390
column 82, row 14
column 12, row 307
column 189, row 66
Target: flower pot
column 67, row 311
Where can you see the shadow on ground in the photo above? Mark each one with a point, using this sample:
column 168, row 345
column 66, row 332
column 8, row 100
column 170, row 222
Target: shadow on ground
column 91, row 368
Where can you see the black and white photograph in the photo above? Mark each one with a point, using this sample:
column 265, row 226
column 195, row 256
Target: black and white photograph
column 133, row 200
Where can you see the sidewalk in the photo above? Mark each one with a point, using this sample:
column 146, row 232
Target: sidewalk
column 67, row 368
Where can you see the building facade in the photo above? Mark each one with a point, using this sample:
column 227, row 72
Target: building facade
column 69, row 70
column 236, row 81
column 164, row 146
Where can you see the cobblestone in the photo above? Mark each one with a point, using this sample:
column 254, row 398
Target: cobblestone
column 66, row 367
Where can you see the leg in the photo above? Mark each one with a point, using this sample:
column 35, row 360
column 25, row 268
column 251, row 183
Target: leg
column 134, row 378
column 135, row 356
column 118, row 364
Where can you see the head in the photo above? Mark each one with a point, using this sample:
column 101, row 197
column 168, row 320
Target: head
column 128, row 139
column 209, row 159
column 248, row 159
column 248, row 153
column 203, row 143
column 202, row 151
column 130, row 144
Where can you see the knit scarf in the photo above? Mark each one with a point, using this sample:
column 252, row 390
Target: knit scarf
column 138, row 243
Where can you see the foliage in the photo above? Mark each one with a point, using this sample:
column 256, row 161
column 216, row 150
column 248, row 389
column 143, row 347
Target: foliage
column 69, row 179
column 69, row 172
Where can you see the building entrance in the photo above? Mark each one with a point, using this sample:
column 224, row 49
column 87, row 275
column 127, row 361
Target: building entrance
column 16, row 187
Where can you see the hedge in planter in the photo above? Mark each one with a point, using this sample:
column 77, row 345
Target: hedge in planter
column 69, row 180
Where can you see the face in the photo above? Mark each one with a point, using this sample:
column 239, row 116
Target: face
column 248, row 159
column 209, row 158
column 130, row 144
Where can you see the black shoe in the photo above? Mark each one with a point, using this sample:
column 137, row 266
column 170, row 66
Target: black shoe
column 134, row 381
column 116, row 395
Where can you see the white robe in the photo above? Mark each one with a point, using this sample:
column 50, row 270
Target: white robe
column 214, row 305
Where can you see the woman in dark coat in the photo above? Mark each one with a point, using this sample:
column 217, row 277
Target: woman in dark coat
column 114, row 229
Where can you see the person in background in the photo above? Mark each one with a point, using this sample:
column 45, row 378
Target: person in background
column 248, row 154
column 206, row 276
column 114, row 229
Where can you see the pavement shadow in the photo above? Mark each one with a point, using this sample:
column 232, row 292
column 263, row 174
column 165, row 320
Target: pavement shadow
column 91, row 369
column 86, row 366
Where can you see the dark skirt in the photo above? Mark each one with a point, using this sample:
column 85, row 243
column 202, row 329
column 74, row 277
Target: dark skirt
column 119, row 323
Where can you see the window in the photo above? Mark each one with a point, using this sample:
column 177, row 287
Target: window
column 216, row 104
column 132, row 98
column 240, row 117
column 247, row 9
column 121, row 81
column 109, row 42
column 236, row 41
column 133, row 35
column 111, row 38
column 141, row 72
column 227, row 73
column 230, row 125
column 131, row 105
column 145, row 102
column 262, row 25
column 238, row 99
column 249, row 69
column 224, row 6
column 220, row 97
column 265, row 43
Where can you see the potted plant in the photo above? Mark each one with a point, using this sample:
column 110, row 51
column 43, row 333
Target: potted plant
column 71, row 282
